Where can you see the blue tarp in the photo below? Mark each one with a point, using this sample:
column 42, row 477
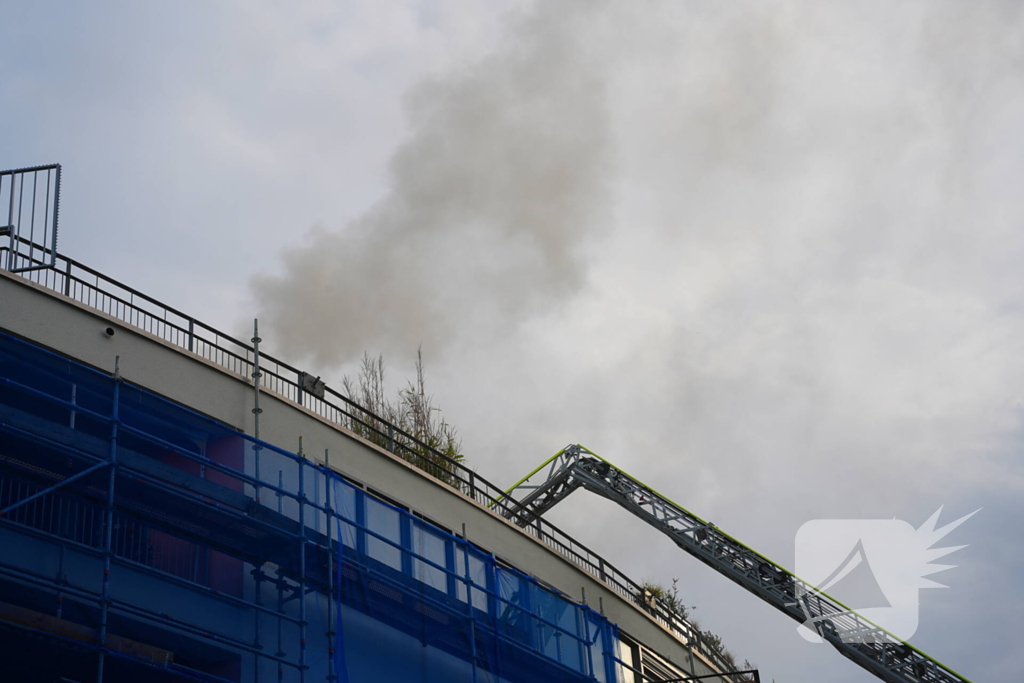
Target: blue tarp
column 412, row 579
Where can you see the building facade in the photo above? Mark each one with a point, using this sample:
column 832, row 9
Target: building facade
column 175, row 504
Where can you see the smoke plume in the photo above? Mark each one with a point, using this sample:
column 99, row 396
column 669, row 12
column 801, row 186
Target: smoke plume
column 630, row 213
column 504, row 174
column 765, row 253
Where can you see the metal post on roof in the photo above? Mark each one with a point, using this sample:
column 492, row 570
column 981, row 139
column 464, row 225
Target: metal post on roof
column 30, row 215
column 256, row 410
column 67, row 278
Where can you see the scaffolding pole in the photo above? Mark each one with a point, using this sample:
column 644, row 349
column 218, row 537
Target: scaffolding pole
column 302, row 565
column 109, row 523
column 330, row 568
column 256, row 410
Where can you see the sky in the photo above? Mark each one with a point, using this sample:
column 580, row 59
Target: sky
column 765, row 256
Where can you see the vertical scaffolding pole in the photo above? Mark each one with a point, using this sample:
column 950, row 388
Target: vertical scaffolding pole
column 469, row 601
column 256, row 410
column 494, row 608
column 257, row 575
column 280, row 488
column 60, row 582
column 108, row 531
column 280, row 624
column 302, row 565
column 330, row 568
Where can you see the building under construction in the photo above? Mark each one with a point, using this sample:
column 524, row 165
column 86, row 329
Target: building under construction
column 177, row 504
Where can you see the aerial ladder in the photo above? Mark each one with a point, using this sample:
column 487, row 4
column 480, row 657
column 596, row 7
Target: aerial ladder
column 858, row 639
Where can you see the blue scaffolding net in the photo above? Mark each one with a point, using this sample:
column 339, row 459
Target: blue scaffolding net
column 150, row 542
column 418, row 603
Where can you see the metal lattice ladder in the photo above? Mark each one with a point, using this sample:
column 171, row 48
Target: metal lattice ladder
column 856, row 638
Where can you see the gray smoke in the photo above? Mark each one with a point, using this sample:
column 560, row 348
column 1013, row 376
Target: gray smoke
column 503, row 176
column 770, row 208
column 764, row 255
column 636, row 211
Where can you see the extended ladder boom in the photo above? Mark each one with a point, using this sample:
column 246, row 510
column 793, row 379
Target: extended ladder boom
column 870, row 646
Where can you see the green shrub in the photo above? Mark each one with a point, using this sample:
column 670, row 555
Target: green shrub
column 412, row 412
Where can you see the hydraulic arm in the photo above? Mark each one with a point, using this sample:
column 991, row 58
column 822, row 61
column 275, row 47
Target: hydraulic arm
column 870, row 646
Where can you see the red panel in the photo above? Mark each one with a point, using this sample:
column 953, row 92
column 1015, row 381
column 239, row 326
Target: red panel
column 228, row 451
column 225, row 572
column 184, row 558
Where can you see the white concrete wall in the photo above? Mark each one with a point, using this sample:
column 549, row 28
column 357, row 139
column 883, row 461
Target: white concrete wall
column 70, row 328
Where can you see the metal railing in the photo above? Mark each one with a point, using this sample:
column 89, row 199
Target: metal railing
column 32, row 199
column 80, row 521
column 96, row 290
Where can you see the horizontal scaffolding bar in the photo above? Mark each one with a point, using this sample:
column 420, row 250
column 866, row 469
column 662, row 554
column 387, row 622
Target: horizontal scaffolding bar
column 84, row 473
